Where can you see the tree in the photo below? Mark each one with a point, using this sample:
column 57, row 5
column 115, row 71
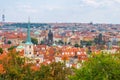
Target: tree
column 42, row 42
column 59, row 71
column 53, row 71
column 9, row 42
column 69, row 43
column 43, row 73
column 15, row 68
column 11, row 48
column 87, row 43
column 76, row 45
column 23, row 41
column 96, row 40
column 34, row 40
column 1, row 50
column 60, row 42
column 118, row 43
column 100, row 67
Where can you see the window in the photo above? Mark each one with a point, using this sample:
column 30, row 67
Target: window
column 29, row 46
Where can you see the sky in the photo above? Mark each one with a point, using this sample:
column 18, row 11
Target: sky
column 49, row 11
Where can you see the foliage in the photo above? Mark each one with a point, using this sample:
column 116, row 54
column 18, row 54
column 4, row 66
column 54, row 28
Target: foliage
column 11, row 48
column 59, row 71
column 23, row 41
column 43, row 73
column 1, row 50
column 16, row 69
column 100, row 67
column 60, row 42
column 76, row 45
column 69, row 43
column 118, row 43
column 13, row 67
column 87, row 43
column 34, row 40
column 42, row 42
column 9, row 42
column 96, row 40
column 53, row 71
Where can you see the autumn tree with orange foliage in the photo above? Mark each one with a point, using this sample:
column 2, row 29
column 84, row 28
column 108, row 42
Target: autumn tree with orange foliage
column 15, row 68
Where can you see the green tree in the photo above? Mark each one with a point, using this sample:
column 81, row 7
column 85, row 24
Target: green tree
column 100, row 67
column 42, row 42
column 43, row 73
column 60, row 42
column 12, row 47
column 9, row 42
column 76, row 45
column 59, row 71
column 69, row 43
column 1, row 50
column 23, row 41
column 53, row 71
column 34, row 40
column 118, row 43
column 87, row 43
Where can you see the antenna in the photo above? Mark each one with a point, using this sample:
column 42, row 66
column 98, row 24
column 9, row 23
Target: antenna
column 3, row 16
column 29, row 19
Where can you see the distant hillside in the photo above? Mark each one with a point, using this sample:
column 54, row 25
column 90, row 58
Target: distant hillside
column 24, row 25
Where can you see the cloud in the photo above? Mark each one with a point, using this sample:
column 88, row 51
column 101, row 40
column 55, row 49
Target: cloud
column 27, row 8
column 63, row 10
column 118, row 1
column 52, row 7
column 91, row 2
column 100, row 3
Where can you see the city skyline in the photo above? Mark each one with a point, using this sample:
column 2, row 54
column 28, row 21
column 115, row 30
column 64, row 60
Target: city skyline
column 84, row 11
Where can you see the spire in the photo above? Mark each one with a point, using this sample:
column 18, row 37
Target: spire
column 28, row 33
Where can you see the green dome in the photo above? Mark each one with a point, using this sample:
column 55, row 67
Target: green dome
column 20, row 47
column 36, row 33
column 54, row 44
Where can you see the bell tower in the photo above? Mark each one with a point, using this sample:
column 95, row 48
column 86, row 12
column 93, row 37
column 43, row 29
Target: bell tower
column 50, row 38
column 28, row 51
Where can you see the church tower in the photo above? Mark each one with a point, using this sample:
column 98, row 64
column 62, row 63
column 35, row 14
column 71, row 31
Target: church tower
column 50, row 38
column 29, row 51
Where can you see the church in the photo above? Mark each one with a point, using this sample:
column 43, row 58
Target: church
column 28, row 46
column 28, row 50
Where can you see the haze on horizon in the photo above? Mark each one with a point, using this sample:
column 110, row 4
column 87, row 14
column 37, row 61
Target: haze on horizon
column 96, row 11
